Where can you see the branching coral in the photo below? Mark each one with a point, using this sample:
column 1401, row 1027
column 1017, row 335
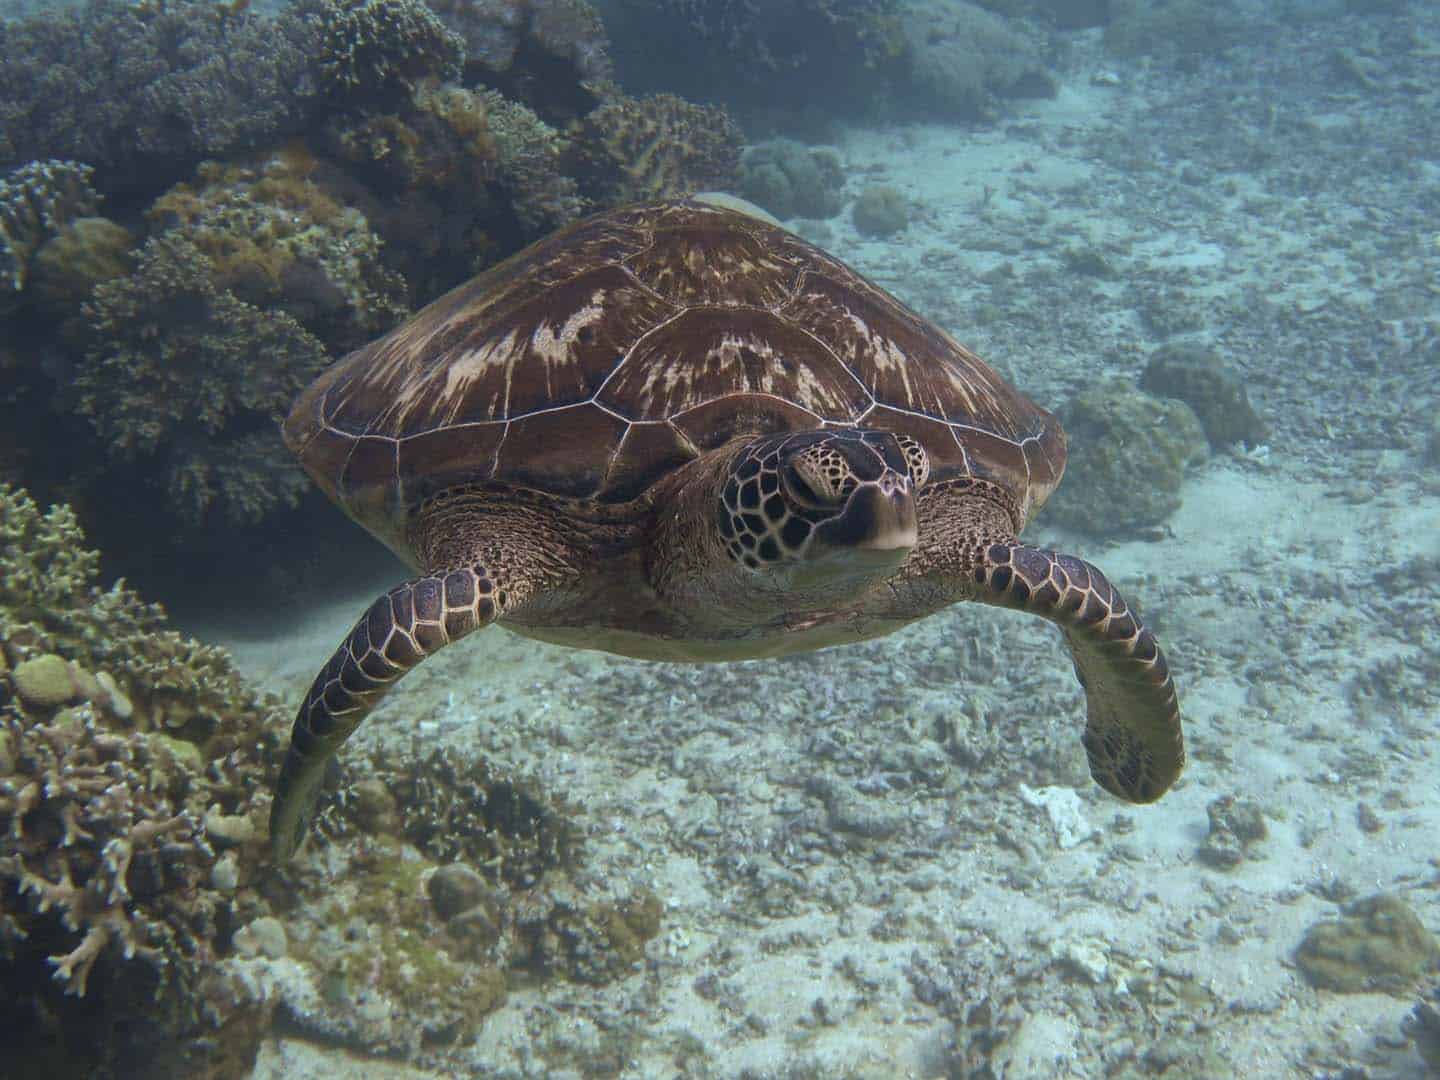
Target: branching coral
column 451, row 807
column 194, row 356
column 440, row 145
column 379, row 50
column 277, row 240
column 148, row 675
column 143, row 91
column 530, row 165
column 115, row 835
column 36, row 201
column 632, row 149
column 181, row 367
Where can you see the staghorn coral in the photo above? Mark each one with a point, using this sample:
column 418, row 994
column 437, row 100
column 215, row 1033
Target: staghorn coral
column 633, row 149
column 378, row 51
column 547, row 54
column 180, row 367
column 144, row 91
column 36, row 202
column 126, row 849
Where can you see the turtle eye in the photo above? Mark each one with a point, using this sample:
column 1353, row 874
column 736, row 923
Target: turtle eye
column 799, row 488
column 818, row 478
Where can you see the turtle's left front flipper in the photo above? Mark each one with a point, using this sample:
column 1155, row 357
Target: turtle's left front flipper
column 403, row 627
column 1133, row 735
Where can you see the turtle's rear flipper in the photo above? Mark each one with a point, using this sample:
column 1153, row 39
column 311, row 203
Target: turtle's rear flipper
column 1133, row 735
column 401, row 628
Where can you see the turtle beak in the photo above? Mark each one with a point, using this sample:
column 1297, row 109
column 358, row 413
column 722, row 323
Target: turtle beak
column 878, row 526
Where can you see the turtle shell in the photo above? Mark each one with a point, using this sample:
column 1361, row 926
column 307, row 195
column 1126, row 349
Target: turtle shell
column 597, row 360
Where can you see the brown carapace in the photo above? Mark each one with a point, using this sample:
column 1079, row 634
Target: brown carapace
column 676, row 431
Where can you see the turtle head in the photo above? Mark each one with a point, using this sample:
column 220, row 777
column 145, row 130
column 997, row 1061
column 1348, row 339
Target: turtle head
column 817, row 508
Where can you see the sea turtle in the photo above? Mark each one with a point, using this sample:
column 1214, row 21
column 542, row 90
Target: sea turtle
column 676, row 431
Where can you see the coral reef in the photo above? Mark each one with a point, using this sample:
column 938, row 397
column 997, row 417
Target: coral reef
column 1138, row 27
column 36, row 202
column 277, row 240
column 81, row 255
column 124, row 857
column 530, row 154
column 1378, row 943
column 183, row 370
column 144, row 91
column 377, row 51
column 1214, row 389
column 792, row 180
column 880, row 211
column 1129, row 453
column 455, row 878
column 766, row 61
column 455, row 808
column 633, row 149
column 435, row 171
column 960, row 55
column 550, row 55
column 253, row 277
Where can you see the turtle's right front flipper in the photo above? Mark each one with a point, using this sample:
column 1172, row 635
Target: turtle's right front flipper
column 1133, row 733
column 401, row 628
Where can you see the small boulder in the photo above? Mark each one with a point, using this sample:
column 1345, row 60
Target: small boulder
column 1236, row 826
column 1129, row 453
column 1211, row 387
column 454, row 889
column 1378, row 943
column 880, row 211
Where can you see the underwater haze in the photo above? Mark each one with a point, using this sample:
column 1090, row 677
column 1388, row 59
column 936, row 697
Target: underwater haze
column 842, row 823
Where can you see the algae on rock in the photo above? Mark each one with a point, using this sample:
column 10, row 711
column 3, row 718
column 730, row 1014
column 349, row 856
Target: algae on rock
column 1378, row 943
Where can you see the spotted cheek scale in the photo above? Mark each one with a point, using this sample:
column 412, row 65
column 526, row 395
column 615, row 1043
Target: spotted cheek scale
column 756, row 523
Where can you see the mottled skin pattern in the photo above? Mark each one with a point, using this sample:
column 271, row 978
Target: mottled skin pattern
column 676, row 432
